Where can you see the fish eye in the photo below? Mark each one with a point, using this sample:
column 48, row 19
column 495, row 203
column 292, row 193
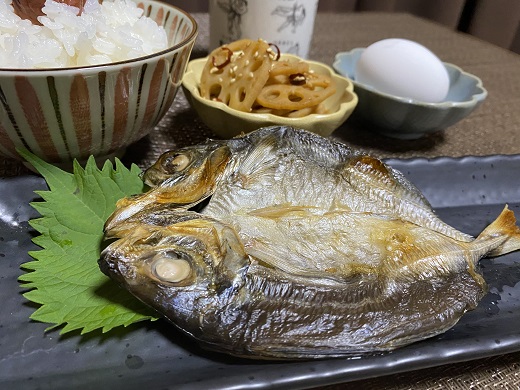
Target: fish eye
column 177, row 162
column 171, row 269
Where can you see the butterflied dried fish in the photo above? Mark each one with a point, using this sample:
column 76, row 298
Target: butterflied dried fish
column 282, row 244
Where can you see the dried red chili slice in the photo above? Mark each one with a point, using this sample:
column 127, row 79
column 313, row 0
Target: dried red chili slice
column 226, row 61
column 278, row 52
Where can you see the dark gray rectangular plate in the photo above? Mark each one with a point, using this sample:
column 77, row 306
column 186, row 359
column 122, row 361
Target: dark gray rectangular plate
column 467, row 193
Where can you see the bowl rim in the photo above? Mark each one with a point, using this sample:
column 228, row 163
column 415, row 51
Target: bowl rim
column 266, row 117
column 191, row 37
column 476, row 97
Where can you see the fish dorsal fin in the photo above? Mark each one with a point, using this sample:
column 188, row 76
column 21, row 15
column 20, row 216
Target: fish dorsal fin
column 380, row 183
column 383, row 176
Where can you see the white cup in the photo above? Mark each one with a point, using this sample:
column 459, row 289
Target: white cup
column 286, row 23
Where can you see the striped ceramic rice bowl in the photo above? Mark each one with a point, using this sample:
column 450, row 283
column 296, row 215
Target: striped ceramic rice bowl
column 67, row 113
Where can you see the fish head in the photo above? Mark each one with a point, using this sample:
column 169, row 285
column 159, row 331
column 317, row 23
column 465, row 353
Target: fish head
column 179, row 178
column 177, row 168
column 177, row 262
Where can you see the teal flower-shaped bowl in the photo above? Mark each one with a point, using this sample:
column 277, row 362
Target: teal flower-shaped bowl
column 405, row 118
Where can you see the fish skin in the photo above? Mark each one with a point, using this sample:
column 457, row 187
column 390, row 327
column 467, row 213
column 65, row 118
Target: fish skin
column 279, row 156
column 276, row 275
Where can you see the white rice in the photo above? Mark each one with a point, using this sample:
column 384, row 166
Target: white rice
column 115, row 30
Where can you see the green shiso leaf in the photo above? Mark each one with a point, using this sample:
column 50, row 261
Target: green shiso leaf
column 64, row 277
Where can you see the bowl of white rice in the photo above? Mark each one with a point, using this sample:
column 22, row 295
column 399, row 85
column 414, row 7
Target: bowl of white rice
column 90, row 82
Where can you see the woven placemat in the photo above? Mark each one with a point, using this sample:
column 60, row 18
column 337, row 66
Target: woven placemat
column 499, row 372
column 494, row 128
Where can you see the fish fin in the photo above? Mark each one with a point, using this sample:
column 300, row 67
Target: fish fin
column 385, row 177
column 235, row 259
column 504, row 225
column 286, row 257
column 289, row 263
column 262, row 159
column 391, row 190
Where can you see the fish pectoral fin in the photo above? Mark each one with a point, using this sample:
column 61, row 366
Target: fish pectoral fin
column 504, row 226
column 235, row 257
column 292, row 264
column 262, row 159
column 277, row 258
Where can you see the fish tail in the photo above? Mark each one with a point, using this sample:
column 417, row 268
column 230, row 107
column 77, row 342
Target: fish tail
column 504, row 226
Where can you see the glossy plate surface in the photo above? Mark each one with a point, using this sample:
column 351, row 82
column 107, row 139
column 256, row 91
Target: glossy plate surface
column 467, row 193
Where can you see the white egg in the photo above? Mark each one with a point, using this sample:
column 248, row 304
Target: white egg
column 403, row 68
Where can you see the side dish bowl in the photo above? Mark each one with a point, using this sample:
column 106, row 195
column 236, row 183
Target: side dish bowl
column 61, row 114
column 404, row 118
column 228, row 122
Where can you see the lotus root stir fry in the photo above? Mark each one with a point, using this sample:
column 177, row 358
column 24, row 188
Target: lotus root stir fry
column 250, row 76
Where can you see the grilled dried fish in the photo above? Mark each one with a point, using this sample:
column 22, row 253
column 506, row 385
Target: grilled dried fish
column 282, row 244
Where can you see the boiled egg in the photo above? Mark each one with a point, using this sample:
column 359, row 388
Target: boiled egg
column 403, row 68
